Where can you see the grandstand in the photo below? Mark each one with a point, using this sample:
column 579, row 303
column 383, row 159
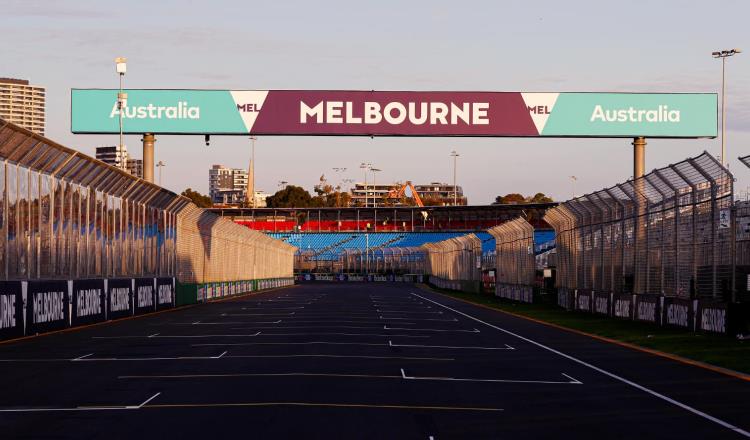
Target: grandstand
column 331, row 239
column 331, row 245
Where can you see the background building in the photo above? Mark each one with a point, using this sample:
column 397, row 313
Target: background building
column 227, row 186
column 135, row 167
column 118, row 157
column 435, row 193
column 115, row 155
column 442, row 192
column 23, row 104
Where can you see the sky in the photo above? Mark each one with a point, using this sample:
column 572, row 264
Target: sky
column 635, row 46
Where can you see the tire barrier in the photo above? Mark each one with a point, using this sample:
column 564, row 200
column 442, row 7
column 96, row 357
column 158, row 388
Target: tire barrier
column 695, row 315
column 42, row 306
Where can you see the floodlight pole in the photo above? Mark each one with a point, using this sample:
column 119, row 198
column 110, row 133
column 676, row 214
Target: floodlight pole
column 724, row 54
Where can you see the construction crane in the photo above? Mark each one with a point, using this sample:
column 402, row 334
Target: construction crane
column 398, row 193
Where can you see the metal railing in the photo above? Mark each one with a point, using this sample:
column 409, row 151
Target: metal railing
column 667, row 232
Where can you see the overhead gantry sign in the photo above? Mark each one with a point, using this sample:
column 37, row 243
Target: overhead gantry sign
column 374, row 113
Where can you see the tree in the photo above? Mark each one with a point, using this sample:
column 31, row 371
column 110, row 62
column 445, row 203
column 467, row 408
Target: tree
column 291, row 196
column 541, row 198
column 510, row 199
column 519, row 199
column 199, row 199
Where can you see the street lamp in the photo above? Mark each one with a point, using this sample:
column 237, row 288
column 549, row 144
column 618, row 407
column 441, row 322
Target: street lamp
column 365, row 166
column 374, row 188
column 454, row 155
column 724, row 54
column 282, row 183
column 160, row 165
column 122, row 98
column 251, row 171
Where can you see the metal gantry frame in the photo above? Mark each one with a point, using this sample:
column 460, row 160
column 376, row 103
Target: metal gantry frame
column 661, row 233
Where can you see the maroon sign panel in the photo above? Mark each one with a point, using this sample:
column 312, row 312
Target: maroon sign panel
column 394, row 113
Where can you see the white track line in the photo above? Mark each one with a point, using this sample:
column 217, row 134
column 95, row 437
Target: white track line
column 146, row 401
column 507, row 347
column 345, row 334
column 278, row 321
column 81, row 408
column 601, row 370
column 250, row 335
column 418, row 319
column 409, row 312
column 244, row 344
column 385, row 327
column 572, row 381
column 231, row 375
column 82, row 357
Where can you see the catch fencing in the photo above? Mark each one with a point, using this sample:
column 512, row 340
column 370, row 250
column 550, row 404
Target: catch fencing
column 665, row 233
column 214, row 249
column 82, row 241
column 515, row 260
column 455, row 263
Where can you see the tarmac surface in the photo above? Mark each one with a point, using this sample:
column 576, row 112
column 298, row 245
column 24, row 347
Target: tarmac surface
column 365, row 361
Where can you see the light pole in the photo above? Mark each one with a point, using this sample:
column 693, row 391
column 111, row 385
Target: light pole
column 160, row 165
column 374, row 188
column 724, row 54
column 251, row 177
column 454, row 155
column 365, row 166
column 573, row 180
column 122, row 98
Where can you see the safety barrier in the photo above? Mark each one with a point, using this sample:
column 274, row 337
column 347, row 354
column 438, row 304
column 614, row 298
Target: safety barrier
column 691, row 314
column 40, row 306
column 455, row 263
column 358, row 277
column 514, row 259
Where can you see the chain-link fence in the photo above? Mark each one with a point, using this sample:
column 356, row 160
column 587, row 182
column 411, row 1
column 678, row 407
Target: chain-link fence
column 667, row 233
column 65, row 215
column 514, row 259
column 455, row 263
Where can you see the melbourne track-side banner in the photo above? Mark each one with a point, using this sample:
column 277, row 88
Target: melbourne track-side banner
column 47, row 306
column 119, row 298
column 373, row 113
column 89, row 302
column 11, row 309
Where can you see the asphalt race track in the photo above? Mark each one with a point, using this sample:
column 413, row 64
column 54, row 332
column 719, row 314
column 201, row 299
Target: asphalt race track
column 364, row 361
